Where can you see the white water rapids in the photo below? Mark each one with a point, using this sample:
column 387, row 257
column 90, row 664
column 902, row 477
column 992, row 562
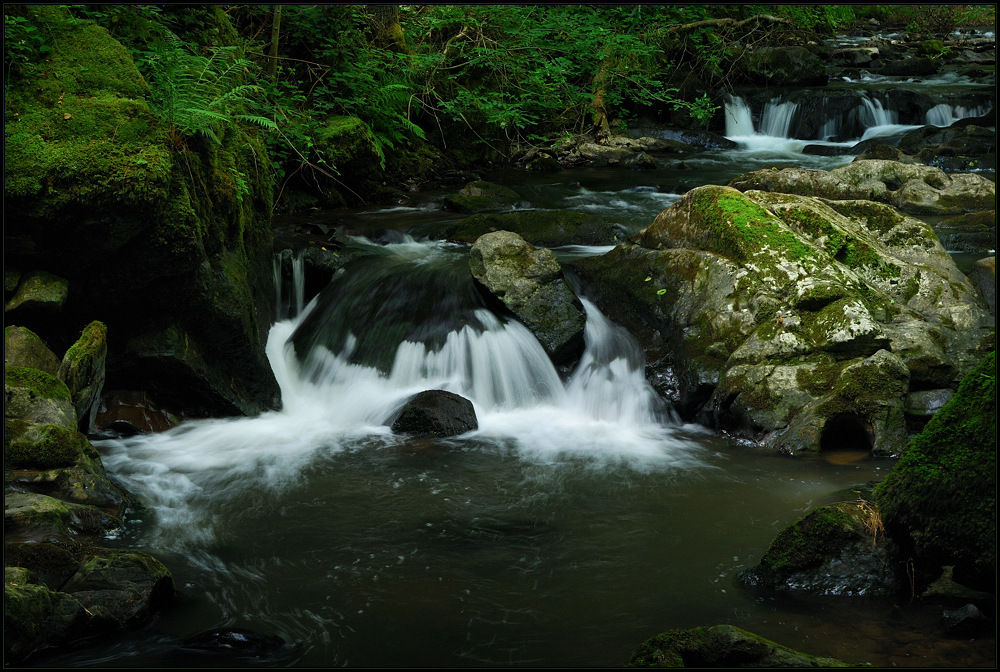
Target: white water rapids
column 604, row 413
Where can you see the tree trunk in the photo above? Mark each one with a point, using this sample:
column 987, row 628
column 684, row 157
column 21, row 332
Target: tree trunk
column 387, row 33
column 598, row 106
column 272, row 66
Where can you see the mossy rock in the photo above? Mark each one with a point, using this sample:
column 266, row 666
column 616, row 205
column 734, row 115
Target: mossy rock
column 37, row 617
column 82, row 369
column 40, row 517
column 547, row 228
column 133, row 216
column 23, row 347
column 39, row 292
column 41, row 446
column 721, row 646
column 939, row 501
column 839, row 549
column 481, row 196
column 34, row 396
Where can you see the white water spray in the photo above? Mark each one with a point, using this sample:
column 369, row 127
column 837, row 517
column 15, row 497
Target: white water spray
column 606, row 412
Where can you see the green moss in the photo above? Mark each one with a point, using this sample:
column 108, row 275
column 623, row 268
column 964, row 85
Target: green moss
column 819, row 379
column 740, row 229
column 41, row 446
column 940, row 498
column 912, row 287
column 40, row 383
column 808, row 541
column 91, row 338
column 879, row 218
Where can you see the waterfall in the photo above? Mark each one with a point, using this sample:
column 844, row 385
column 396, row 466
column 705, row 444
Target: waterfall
column 945, row 115
column 739, row 121
column 777, row 118
column 333, row 402
column 289, row 297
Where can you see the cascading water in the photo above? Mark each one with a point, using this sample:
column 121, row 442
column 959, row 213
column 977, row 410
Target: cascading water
column 332, row 402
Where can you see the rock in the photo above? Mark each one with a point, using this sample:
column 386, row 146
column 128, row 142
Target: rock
column 721, row 646
column 23, row 347
column 929, row 504
column 912, row 188
column 36, row 397
column 785, row 66
column 36, row 617
column 480, row 196
column 984, row 279
column 967, row 623
column 134, row 411
column 593, row 154
column 135, row 224
column 530, row 283
column 797, row 322
column 923, row 404
column 39, row 446
column 82, row 369
column 127, row 586
column 436, row 413
column 34, row 516
column 839, row 549
column 548, row 228
column 242, row 642
column 39, row 292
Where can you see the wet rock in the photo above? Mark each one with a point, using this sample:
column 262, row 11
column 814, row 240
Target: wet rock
column 912, row 188
column 481, row 196
column 82, row 369
column 930, row 505
column 244, row 643
column 834, row 550
column 23, row 347
column 593, row 154
column 721, row 646
column 130, row 412
column 967, row 622
column 530, row 283
column 785, row 66
column 793, row 321
column 40, row 517
column 436, row 413
column 984, row 278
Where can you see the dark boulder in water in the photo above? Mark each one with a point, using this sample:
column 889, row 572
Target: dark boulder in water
column 436, row 413
column 245, row 643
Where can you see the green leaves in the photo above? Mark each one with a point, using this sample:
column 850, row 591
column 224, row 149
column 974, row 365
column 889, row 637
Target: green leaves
column 195, row 93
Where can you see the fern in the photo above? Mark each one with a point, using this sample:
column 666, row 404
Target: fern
column 195, row 93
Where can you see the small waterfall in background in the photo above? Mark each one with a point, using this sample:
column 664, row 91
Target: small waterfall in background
column 944, row 115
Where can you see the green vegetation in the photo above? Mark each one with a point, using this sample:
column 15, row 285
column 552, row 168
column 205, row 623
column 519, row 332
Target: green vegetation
column 940, row 498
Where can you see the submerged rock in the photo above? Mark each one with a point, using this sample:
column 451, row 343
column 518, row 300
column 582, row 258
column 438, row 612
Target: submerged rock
column 436, row 413
column 480, row 196
column 721, row 646
column 834, row 550
column 530, row 283
column 799, row 322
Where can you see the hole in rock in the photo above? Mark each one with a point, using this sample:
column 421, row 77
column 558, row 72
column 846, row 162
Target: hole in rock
column 845, row 438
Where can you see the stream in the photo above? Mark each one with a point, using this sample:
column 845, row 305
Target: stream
column 580, row 518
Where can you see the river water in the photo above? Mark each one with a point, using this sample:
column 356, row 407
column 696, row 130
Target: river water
column 581, row 518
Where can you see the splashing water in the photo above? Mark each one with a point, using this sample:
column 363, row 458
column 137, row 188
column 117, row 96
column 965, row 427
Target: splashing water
column 604, row 413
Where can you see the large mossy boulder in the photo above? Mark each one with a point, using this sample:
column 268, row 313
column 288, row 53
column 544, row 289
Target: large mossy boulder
column 545, row 228
column 529, row 282
column 721, row 646
column 152, row 230
column 796, row 321
column 911, row 187
column 839, row 549
column 939, row 501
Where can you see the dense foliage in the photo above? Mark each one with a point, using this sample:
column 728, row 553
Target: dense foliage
column 471, row 80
